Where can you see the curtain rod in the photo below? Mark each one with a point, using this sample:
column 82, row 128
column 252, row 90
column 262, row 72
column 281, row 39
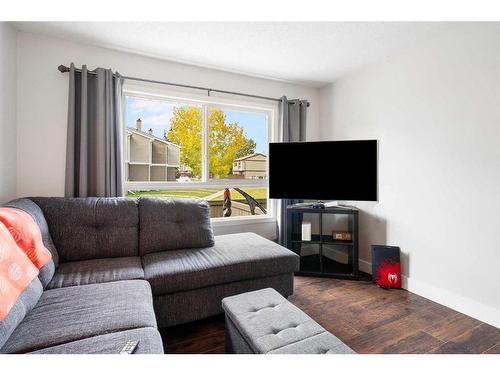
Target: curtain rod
column 65, row 69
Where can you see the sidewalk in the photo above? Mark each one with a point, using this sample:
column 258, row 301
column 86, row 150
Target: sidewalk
column 214, row 195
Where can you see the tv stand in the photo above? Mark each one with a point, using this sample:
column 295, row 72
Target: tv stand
column 323, row 255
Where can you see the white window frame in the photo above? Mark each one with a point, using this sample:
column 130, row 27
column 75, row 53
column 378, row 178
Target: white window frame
column 154, row 92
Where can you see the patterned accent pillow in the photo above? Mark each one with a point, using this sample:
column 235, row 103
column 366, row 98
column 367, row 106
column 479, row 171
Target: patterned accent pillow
column 26, row 233
column 16, row 271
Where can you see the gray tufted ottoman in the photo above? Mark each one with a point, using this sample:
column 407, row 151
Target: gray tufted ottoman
column 263, row 322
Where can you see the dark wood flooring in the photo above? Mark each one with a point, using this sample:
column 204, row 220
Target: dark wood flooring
column 367, row 318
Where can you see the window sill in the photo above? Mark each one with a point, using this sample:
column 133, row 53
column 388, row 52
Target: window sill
column 234, row 221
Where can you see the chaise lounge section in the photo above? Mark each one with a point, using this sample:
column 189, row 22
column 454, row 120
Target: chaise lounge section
column 121, row 268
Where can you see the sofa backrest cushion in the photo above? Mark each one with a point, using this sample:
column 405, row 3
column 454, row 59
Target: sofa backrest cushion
column 30, row 207
column 92, row 228
column 170, row 224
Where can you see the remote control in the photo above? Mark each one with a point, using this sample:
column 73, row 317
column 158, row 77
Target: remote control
column 129, row 347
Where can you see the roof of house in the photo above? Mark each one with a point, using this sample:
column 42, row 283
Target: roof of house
column 151, row 136
column 249, row 156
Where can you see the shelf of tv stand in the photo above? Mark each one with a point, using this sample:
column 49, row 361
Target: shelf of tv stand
column 325, row 239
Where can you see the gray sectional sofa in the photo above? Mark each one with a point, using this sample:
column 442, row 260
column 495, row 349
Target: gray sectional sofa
column 122, row 268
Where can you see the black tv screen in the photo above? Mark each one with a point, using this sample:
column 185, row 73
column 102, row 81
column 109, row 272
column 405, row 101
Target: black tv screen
column 335, row 170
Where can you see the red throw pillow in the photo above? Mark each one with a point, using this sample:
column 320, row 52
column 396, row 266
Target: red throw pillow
column 16, row 272
column 26, row 233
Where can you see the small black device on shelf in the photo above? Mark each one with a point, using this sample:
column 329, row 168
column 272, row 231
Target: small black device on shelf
column 318, row 205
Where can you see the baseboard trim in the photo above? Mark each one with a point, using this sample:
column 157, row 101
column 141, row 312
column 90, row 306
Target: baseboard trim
column 454, row 301
column 446, row 298
column 365, row 266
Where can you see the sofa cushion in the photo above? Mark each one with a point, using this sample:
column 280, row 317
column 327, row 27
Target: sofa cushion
column 30, row 207
column 92, row 228
column 112, row 343
column 75, row 313
column 24, row 304
column 95, row 271
column 234, row 257
column 169, row 224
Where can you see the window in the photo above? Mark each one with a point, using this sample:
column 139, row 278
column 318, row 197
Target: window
column 153, row 140
column 215, row 150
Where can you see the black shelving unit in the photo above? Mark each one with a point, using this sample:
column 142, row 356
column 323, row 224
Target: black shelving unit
column 316, row 255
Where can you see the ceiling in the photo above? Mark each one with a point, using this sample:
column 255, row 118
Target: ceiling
column 311, row 54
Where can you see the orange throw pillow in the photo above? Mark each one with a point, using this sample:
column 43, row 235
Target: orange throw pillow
column 26, row 233
column 16, row 271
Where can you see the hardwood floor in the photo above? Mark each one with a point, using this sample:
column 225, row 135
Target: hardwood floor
column 367, row 318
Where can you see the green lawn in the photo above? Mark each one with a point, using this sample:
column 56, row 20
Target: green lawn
column 178, row 193
column 257, row 193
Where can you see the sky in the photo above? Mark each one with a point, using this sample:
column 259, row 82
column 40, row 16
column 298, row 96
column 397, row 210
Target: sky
column 156, row 115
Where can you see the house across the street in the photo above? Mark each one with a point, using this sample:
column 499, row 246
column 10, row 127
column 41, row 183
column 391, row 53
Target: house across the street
column 149, row 158
column 251, row 166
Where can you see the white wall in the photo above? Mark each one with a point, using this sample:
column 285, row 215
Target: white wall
column 43, row 97
column 8, row 89
column 435, row 109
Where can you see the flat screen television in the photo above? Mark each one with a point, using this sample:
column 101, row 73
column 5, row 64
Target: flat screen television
column 332, row 170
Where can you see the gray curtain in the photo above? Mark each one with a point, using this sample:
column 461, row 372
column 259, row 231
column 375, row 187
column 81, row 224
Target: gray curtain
column 292, row 121
column 94, row 139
